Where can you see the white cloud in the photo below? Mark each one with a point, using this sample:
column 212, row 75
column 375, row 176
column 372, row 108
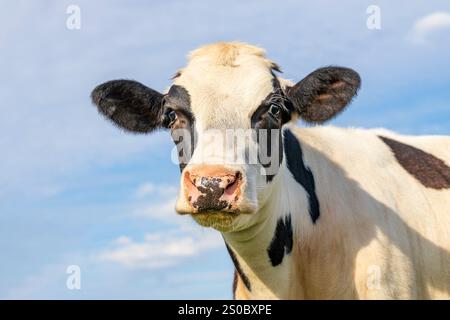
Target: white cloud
column 123, row 241
column 149, row 188
column 429, row 24
column 28, row 287
column 158, row 202
column 164, row 211
column 162, row 249
column 145, row 189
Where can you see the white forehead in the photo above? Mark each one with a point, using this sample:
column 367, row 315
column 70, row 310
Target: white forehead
column 226, row 83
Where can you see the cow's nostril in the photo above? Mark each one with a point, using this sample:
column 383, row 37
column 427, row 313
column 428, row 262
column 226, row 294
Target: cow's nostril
column 233, row 184
column 231, row 180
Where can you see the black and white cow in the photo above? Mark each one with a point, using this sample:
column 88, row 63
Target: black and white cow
column 346, row 213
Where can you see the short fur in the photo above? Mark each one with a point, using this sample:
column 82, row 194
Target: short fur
column 129, row 104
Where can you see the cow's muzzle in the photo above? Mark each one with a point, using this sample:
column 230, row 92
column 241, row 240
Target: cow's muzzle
column 212, row 188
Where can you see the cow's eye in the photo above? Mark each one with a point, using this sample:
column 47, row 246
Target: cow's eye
column 172, row 116
column 274, row 110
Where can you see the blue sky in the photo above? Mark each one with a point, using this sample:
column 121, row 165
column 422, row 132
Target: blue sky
column 74, row 190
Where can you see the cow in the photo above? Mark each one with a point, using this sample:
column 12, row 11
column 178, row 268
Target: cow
column 343, row 213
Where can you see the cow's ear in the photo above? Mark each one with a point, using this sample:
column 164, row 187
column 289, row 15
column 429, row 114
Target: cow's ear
column 129, row 104
column 324, row 93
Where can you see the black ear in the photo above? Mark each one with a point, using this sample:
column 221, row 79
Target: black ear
column 324, row 93
column 129, row 104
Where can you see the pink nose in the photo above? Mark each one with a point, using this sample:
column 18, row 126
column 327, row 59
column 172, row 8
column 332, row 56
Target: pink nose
column 212, row 188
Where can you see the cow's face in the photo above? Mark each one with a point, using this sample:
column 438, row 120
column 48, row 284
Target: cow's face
column 225, row 112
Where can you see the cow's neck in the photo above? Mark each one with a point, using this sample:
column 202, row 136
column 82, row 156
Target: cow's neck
column 264, row 254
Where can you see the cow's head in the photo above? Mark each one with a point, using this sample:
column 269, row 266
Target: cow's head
column 225, row 111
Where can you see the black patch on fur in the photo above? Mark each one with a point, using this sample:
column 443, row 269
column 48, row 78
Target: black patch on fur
column 431, row 171
column 282, row 241
column 324, row 93
column 179, row 100
column 129, row 104
column 275, row 67
column 176, row 75
column 262, row 119
column 182, row 166
column 275, row 83
column 241, row 273
column 301, row 173
column 235, row 281
column 269, row 177
column 178, row 97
